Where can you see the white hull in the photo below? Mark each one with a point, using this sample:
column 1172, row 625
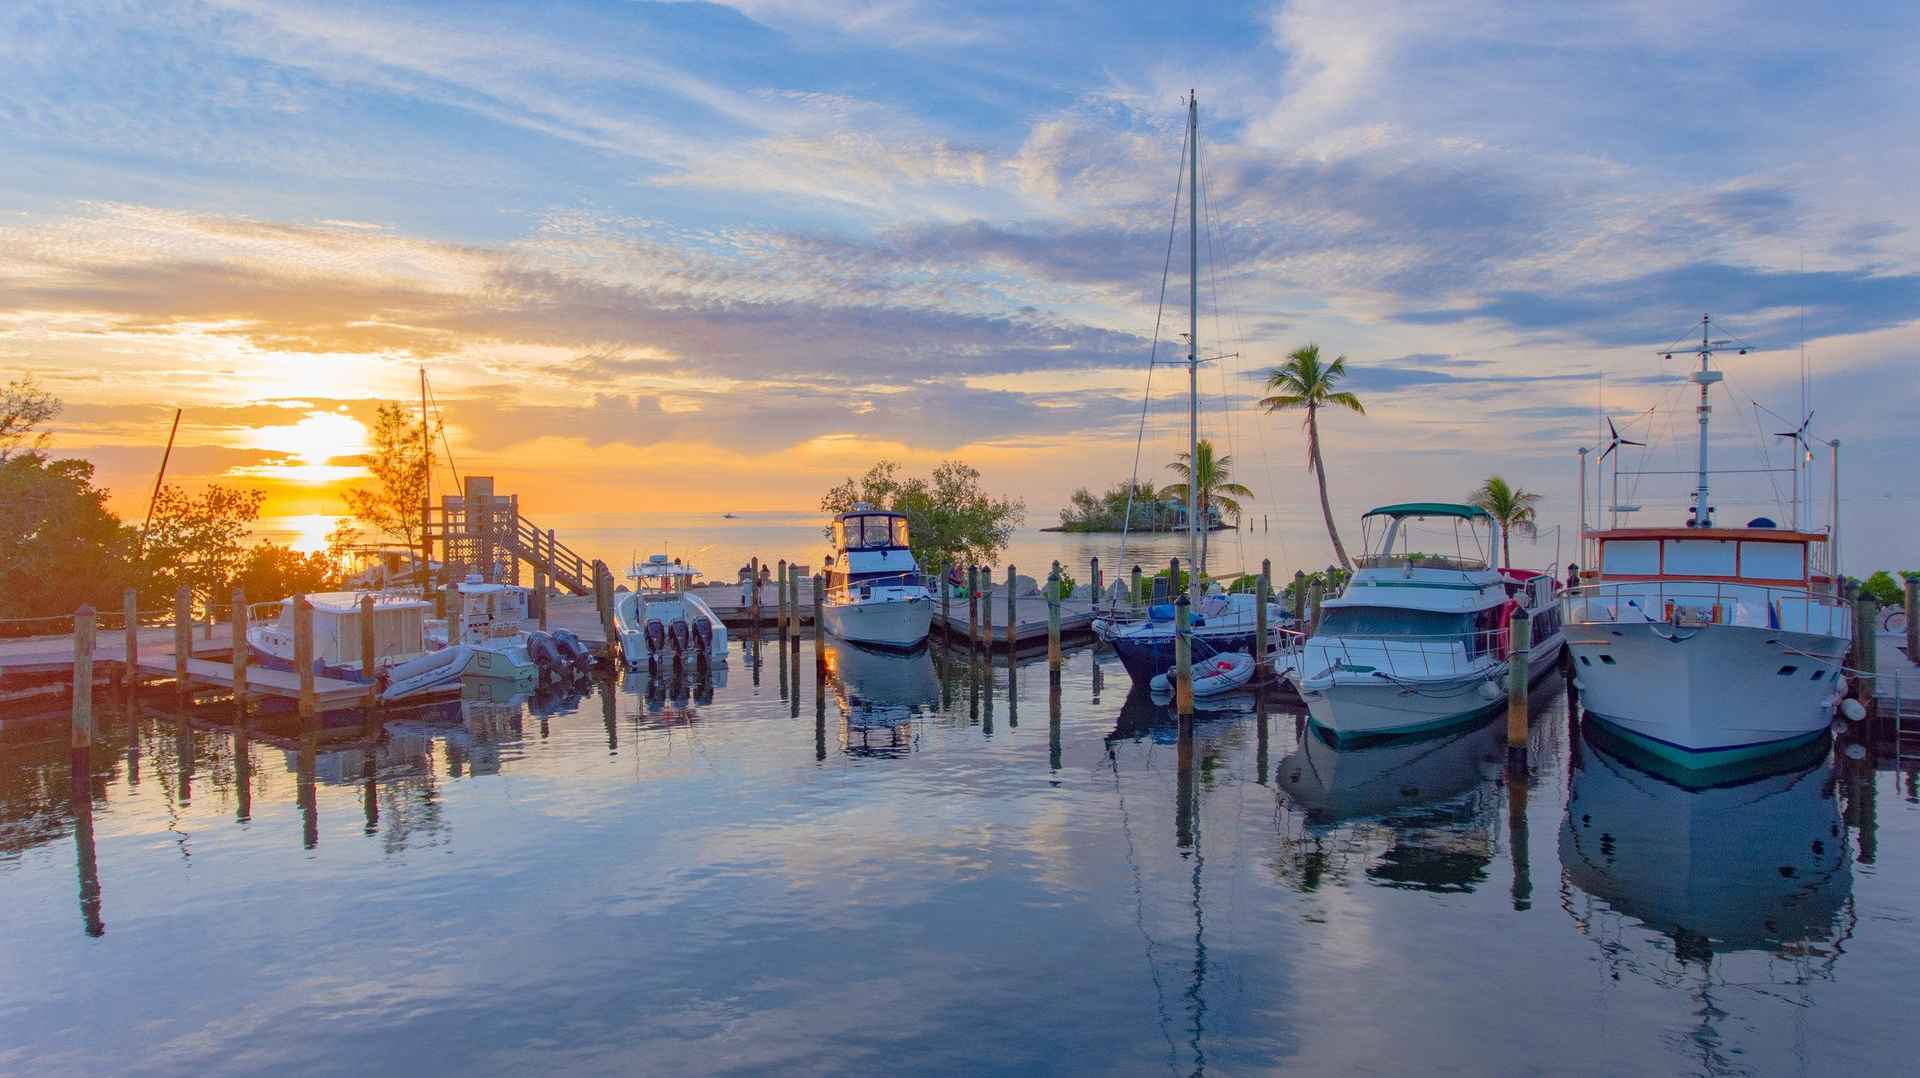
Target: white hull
column 506, row 661
column 632, row 611
column 1355, row 704
column 1707, row 688
column 882, row 622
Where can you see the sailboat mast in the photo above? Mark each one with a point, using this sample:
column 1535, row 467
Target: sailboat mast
column 1702, row 512
column 426, row 489
column 1193, row 347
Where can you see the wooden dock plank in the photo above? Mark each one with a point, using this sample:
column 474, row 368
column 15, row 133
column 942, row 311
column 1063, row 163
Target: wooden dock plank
column 329, row 693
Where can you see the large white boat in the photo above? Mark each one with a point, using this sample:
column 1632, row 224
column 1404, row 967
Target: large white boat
column 875, row 594
column 1420, row 641
column 408, row 661
column 1709, row 645
column 661, row 621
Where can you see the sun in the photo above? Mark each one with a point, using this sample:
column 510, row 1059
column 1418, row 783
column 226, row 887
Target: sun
column 313, row 448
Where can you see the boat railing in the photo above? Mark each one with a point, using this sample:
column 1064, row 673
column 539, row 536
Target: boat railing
column 1708, row 602
column 1395, row 655
column 863, row 587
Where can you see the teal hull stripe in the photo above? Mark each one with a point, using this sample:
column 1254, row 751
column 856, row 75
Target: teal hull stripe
column 1714, row 757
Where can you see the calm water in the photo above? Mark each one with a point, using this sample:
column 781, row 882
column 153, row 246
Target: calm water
column 910, row 867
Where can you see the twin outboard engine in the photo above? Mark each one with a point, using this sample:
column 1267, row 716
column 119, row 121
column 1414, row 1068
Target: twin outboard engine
column 546, row 655
column 677, row 633
column 571, row 646
column 656, row 637
column 703, row 636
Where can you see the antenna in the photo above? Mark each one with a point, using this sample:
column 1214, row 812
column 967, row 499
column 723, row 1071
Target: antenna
column 1802, row 456
column 1705, row 377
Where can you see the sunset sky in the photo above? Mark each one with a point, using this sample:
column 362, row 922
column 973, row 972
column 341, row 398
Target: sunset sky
column 717, row 256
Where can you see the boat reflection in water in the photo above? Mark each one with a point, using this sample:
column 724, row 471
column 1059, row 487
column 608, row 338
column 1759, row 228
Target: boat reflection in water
column 880, row 695
column 1425, row 807
column 1144, row 716
column 1740, row 863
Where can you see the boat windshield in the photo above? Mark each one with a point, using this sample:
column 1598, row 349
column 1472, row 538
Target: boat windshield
column 1393, row 621
column 875, row 532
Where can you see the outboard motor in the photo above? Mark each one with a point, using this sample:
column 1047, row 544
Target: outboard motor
column 703, row 636
column 677, row 632
column 546, row 653
column 571, row 647
column 656, row 637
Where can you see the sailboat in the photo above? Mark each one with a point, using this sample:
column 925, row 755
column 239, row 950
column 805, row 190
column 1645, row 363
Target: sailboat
column 1708, row 645
column 1222, row 625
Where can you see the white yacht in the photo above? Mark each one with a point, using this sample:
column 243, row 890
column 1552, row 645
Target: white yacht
column 1709, row 645
column 874, row 592
column 1420, row 641
column 661, row 620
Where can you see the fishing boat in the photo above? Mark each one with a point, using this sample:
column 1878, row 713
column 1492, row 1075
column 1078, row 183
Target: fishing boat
column 1705, row 644
column 407, row 662
column 1221, row 623
column 489, row 621
column 1420, row 641
column 875, row 594
column 661, row 621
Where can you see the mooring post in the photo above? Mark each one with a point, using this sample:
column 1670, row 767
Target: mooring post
column 1053, row 623
column 1519, row 647
column 819, row 622
column 130, row 615
column 83, row 628
column 986, row 612
column 603, row 602
column 1013, row 619
column 946, row 606
column 1913, row 618
column 303, row 651
column 1260, row 664
column 1865, row 652
column 973, row 606
column 540, row 596
column 781, row 601
column 1314, row 595
column 240, row 652
column 1174, row 589
column 182, row 633
column 753, row 593
column 1093, row 594
column 366, row 637
column 1183, row 654
column 1300, row 600
column 1133, row 600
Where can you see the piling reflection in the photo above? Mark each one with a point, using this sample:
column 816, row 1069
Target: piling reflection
column 881, row 694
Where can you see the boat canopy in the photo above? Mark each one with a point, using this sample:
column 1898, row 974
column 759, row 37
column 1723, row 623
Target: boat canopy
column 1430, row 509
column 870, row 529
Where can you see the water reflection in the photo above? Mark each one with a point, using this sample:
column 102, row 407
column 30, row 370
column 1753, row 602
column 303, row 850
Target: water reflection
column 881, row 694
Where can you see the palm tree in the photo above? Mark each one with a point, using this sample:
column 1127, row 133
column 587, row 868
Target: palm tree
column 1304, row 382
column 1215, row 485
column 1512, row 508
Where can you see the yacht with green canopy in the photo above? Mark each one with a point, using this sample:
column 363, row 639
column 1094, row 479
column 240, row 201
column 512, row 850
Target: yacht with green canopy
column 1419, row 640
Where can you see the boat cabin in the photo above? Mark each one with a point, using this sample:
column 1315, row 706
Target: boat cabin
column 661, row 574
column 481, row 610
column 399, row 626
column 870, row 546
column 1758, row 575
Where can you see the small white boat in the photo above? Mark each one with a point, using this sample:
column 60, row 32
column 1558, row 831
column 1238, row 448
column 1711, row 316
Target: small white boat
column 1212, row 675
column 488, row 621
column 1420, row 641
column 874, row 592
column 660, row 620
column 408, row 660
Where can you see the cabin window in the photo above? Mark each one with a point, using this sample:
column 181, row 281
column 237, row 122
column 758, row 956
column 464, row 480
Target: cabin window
column 1393, row 621
column 1633, row 557
column 1699, row 557
column 900, row 531
column 1773, row 561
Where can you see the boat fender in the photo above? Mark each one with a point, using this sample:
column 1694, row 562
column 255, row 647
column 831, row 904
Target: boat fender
column 1489, row 691
column 1853, row 709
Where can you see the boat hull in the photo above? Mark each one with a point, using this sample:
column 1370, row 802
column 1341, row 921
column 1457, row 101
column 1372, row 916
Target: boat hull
column 1354, row 707
column 899, row 624
column 1148, row 655
column 1708, row 695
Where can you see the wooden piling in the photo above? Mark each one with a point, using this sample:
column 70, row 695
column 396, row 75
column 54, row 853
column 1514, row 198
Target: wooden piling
column 241, row 653
column 130, row 615
column 182, row 633
column 1013, row 618
column 1183, row 654
column 1053, row 622
column 540, row 595
column 1174, row 590
column 819, row 622
column 946, row 605
column 1260, row 666
column 303, row 652
column 1866, row 658
column 1314, row 596
column 781, row 600
column 973, row 606
column 794, row 577
column 1300, row 600
column 1519, row 646
column 1094, row 592
column 603, row 603
column 986, row 612
column 753, row 593
column 1133, row 600
column 366, row 637
column 83, row 631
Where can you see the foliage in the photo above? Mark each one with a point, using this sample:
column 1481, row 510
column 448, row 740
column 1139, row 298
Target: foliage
column 400, row 460
column 199, row 540
column 1211, row 478
column 1067, row 584
column 59, row 546
column 950, row 519
column 1108, row 511
column 24, row 408
column 271, row 571
column 1332, row 581
column 1304, row 382
column 1512, row 507
column 1881, row 587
